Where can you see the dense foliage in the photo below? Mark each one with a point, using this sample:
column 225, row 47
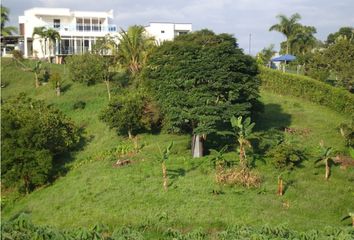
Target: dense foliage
column 307, row 88
column 131, row 112
column 32, row 134
column 201, row 80
column 87, row 68
column 286, row 155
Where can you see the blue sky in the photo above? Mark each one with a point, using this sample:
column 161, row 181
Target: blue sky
column 238, row 17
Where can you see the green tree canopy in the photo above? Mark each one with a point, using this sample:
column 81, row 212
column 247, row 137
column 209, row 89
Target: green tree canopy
column 348, row 32
column 288, row 27
column 201, row 80
column 32, row 135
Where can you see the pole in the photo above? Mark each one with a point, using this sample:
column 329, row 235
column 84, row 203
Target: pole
column 249, row 44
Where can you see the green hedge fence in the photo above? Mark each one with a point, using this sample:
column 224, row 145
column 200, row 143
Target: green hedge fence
column 307, row 88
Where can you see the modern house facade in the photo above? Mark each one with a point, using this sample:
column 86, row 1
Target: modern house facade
column 167, row 31
column 78, row 30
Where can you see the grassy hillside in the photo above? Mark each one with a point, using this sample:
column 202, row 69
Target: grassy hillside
column 93, row 191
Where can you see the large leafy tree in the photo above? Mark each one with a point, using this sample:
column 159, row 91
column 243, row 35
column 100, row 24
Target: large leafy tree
column 201, row 80
column 32, row 135
column 288, row 27
column 348, row 32
column 303, row 40
column 6, row 30
column 134, row 48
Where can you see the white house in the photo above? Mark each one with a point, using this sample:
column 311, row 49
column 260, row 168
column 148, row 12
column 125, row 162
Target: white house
column 167, row 31
column 79, row 30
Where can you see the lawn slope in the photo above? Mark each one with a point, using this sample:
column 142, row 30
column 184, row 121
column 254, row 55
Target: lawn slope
column 93, row 191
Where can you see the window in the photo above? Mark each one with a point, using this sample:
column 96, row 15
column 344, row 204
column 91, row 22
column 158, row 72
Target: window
column 162, row 31
column 56, row 23
column 79, row 24
column 182, row 33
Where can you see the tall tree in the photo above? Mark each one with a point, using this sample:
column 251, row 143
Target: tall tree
column 264, row 56
column 287, row 26
column 348, row 32
column 6, row 31
column 200, row 81
column 303, row 40
column 134, row 48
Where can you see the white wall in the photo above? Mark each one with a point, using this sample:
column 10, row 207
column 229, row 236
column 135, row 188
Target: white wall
column 167, row 31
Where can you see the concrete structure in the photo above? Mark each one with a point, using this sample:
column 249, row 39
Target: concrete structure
column 167, row 31
column 79, row 30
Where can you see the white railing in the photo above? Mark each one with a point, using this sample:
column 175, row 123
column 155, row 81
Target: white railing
column 83, row 27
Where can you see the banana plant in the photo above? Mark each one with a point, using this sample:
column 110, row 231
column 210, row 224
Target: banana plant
column 37, row 70
column 218, row 158
column 163, row 157
column 280, row 185
column 326, row 159
column 243, row 130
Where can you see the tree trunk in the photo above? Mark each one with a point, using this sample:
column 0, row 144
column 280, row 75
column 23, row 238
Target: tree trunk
column 197, row 146
column 58, row 91
column 287, row 46
column 164, row 175
column 327, row 170
column 280, row 186
column 130, row 134
column 26, row 182
column 36, row 79
column 108, row 90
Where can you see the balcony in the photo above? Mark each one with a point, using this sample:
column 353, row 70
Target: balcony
column 82, row 27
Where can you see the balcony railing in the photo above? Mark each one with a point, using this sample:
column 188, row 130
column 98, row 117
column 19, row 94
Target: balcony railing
column 83, row 27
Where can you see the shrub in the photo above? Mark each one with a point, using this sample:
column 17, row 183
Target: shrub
column 286, row 155
column 86, row 68
column 307, row 88
column 32, row 134
column 79, row 105
column 17, row 55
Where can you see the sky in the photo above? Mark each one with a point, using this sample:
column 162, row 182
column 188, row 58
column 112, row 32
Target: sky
column 240, row 18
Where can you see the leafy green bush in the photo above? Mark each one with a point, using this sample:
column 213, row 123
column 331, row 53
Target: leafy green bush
column 32, row 134
column 131, row 112
column 79, row 105
column 286, row 155
column 16, row 54
column 307, row 88
column 86, row 68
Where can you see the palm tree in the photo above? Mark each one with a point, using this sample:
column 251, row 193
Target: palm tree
column 243, row 130
column 287, row 26
column 134, row 48
column 326, row 158
column 164, row 156
column 41, row 33
column 52, row 35
column 6, row 31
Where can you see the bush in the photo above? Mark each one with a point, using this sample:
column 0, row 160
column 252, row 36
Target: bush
column 307, row 88
column 79, row 105
column 16, row 54
column 86, row 68
column 32, row 134
column 286, row 155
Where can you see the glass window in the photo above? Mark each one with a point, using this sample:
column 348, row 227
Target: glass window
column 56, row 23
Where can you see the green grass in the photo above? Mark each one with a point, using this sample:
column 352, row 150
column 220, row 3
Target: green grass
column 94, row 191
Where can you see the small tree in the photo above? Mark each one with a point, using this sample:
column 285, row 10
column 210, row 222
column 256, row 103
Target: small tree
column 57, row 82
column 243, row 130
column 125, row 113
column 36, row 71
column 164, row 156
column 32, row 134
column 326, row 159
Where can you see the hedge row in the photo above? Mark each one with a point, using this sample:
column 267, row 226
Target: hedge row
column 307, row 88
